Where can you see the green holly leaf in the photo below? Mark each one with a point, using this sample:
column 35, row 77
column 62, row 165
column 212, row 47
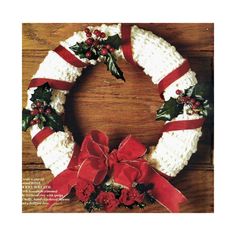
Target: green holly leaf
column 110, row 61
column 199, row 91
column 54, row 121
column 206, row 109
column 26, row 118
column 79, row 48
column 169, row 110
column 114, row 41
column 42, row 93
column 42, row 118
column 40, row 125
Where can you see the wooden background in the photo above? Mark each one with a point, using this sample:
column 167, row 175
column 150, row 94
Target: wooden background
column 100, row 101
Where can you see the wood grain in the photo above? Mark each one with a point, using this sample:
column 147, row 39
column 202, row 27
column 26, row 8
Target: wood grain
column 186, row 37
column 100, row 101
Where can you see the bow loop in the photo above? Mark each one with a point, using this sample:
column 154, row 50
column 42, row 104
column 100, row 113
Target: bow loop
column 130, row 149
column 94, row 144
column 93, row 157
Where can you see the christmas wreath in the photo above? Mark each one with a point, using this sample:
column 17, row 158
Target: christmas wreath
column 127, row 176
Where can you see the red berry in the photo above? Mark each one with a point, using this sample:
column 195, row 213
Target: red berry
column 108, row 46
column 103, row 35
column 178, row 91
column 34, row 112
column 41, row 110
column 88, row 54
column 48, row 111
column 38, row 104
column 89, row 41
column 194, row 106
column 32, row 122
column 184, row 99
column 197, row 103
column 97, row 33
column 87, row 30
column 187, row 99
column 104, row 51
column 89, row 35
column 192, row 100
column 112, row 49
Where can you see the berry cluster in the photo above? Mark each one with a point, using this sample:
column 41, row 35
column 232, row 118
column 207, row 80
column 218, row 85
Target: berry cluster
column 95, row 43
column 39, row 108
column 193, row 103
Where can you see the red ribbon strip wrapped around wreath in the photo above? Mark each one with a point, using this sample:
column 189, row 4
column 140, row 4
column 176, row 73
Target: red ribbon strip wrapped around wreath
column 125, row 165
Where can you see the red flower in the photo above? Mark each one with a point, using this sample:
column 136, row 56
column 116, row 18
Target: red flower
column 130, row 196
column 107, row 200
column 84, row 190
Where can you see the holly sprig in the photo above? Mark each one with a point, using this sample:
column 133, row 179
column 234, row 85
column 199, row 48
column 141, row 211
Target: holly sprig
column 41, row 113
column 96, row 46
column 193, row 97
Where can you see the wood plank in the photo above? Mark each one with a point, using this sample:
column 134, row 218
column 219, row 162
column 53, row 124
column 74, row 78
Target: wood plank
column 196, row 186
column 196, row 37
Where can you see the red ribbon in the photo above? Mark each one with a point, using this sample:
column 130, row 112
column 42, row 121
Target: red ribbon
column 183, row 125
column 41, row 135
column 55, row 84
column 125, row 165
column 173, row 76
column 69, row 57
column 126, row 43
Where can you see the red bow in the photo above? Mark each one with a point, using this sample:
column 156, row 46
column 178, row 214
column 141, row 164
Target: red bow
column 126, row 166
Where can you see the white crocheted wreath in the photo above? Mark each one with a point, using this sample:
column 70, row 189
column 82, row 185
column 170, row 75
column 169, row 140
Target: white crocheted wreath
column 158, row 59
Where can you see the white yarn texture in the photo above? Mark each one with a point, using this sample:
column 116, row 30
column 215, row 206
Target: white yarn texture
column 158, row 58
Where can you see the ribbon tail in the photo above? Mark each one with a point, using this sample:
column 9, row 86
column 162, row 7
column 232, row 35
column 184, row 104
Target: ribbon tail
column 59, row 187
column 165, row 193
